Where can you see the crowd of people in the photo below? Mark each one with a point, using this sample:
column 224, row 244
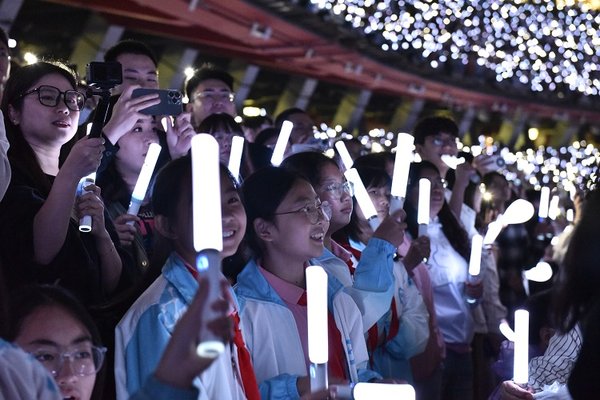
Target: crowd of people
column 117, row 312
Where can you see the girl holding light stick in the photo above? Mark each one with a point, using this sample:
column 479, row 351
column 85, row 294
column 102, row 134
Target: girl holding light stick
column 448, row 271
column 144, row 332
column 40, row 213
column 287, row 226
column 405, row 326
column 369, row 281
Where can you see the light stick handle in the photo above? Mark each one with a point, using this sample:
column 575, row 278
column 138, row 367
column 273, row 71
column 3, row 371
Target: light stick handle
column 423, row 229
column 318, row 376
column 208, row 263
column 85, row 222
column 134, row 208
column 396, row 203
column 374, row 223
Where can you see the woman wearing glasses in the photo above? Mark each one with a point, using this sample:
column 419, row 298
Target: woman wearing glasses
column 39, row 216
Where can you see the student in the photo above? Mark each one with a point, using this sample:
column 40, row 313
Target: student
column 49, row 323
column 224, row 128
column 44, row 317
column 145, row 330
column 404, row 328
column 210, row 91
column 287, row 226
column 369, row 281
column 448, row 266
column 40, row 213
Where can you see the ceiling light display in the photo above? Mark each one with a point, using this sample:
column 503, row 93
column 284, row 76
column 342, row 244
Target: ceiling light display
column 543, row 45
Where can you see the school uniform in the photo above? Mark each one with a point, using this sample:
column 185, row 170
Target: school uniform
column 272, row 336
column 143, row 334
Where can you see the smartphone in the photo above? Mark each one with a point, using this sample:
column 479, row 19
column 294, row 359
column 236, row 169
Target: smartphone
column 170, row 101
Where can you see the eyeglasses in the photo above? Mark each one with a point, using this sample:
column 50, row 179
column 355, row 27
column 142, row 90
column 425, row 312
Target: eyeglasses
column 438, row 183
column 338, row 189
column 313, row 212
column 215, row 96
column 49, row 96
column 85, row 359
column 440, row 141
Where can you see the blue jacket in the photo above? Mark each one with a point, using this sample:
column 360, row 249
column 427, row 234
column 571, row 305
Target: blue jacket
column 272, row 336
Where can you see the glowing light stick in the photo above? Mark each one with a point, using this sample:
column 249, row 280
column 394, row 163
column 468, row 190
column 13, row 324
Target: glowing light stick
column 362, row 197
column 344, row 154
column 521, row 362
column 404, row 150
column 141, row 186
column 423, row 206
column 508, row 333
column 318, row 347
column 544, row 203
column 518, row 212
column 85, row 222
column 452, row 161
column 235, row 156
column 369, row 391
column 542, row 272
column 207, row 230
column 282, row 141
column 475, row 260
column 553, row 208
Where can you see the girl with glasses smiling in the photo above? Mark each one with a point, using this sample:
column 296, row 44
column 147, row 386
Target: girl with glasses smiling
column 39, row 235
column 369, row 281
column 287, row 224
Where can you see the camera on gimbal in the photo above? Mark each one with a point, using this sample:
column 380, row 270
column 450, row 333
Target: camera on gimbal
column 104, row 75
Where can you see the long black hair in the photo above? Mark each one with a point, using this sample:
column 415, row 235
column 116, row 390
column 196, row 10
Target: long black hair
column 453, row 230
column 577, row 287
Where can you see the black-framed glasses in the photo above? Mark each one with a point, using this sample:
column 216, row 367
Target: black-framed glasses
column 313, row 212
column 338, row 189
column 215, row 96
column 49, row 96
column 84, row 359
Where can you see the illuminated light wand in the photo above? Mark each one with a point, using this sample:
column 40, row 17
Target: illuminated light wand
column 404, row 156
column 318, row 345
column 141, row 185
column 362, row 197
column 207, row 231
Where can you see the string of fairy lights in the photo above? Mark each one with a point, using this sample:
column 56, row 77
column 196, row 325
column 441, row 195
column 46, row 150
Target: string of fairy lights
column 566, row 169
column 545, row 45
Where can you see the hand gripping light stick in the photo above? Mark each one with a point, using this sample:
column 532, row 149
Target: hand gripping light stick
column 85, row 222
column 141, row 186
column 423, row 206
column 362, row 197
column 344, row 155
column 318, row 347
column 235, row 157
column 282, row 142
column 404, row 156
column 208, row 230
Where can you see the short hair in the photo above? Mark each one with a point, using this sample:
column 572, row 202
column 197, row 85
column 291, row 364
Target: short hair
column 432, row 126
column 285, row 114
column 206, row 72
column 129, row 46
column 265, row 135
column 220, row 122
